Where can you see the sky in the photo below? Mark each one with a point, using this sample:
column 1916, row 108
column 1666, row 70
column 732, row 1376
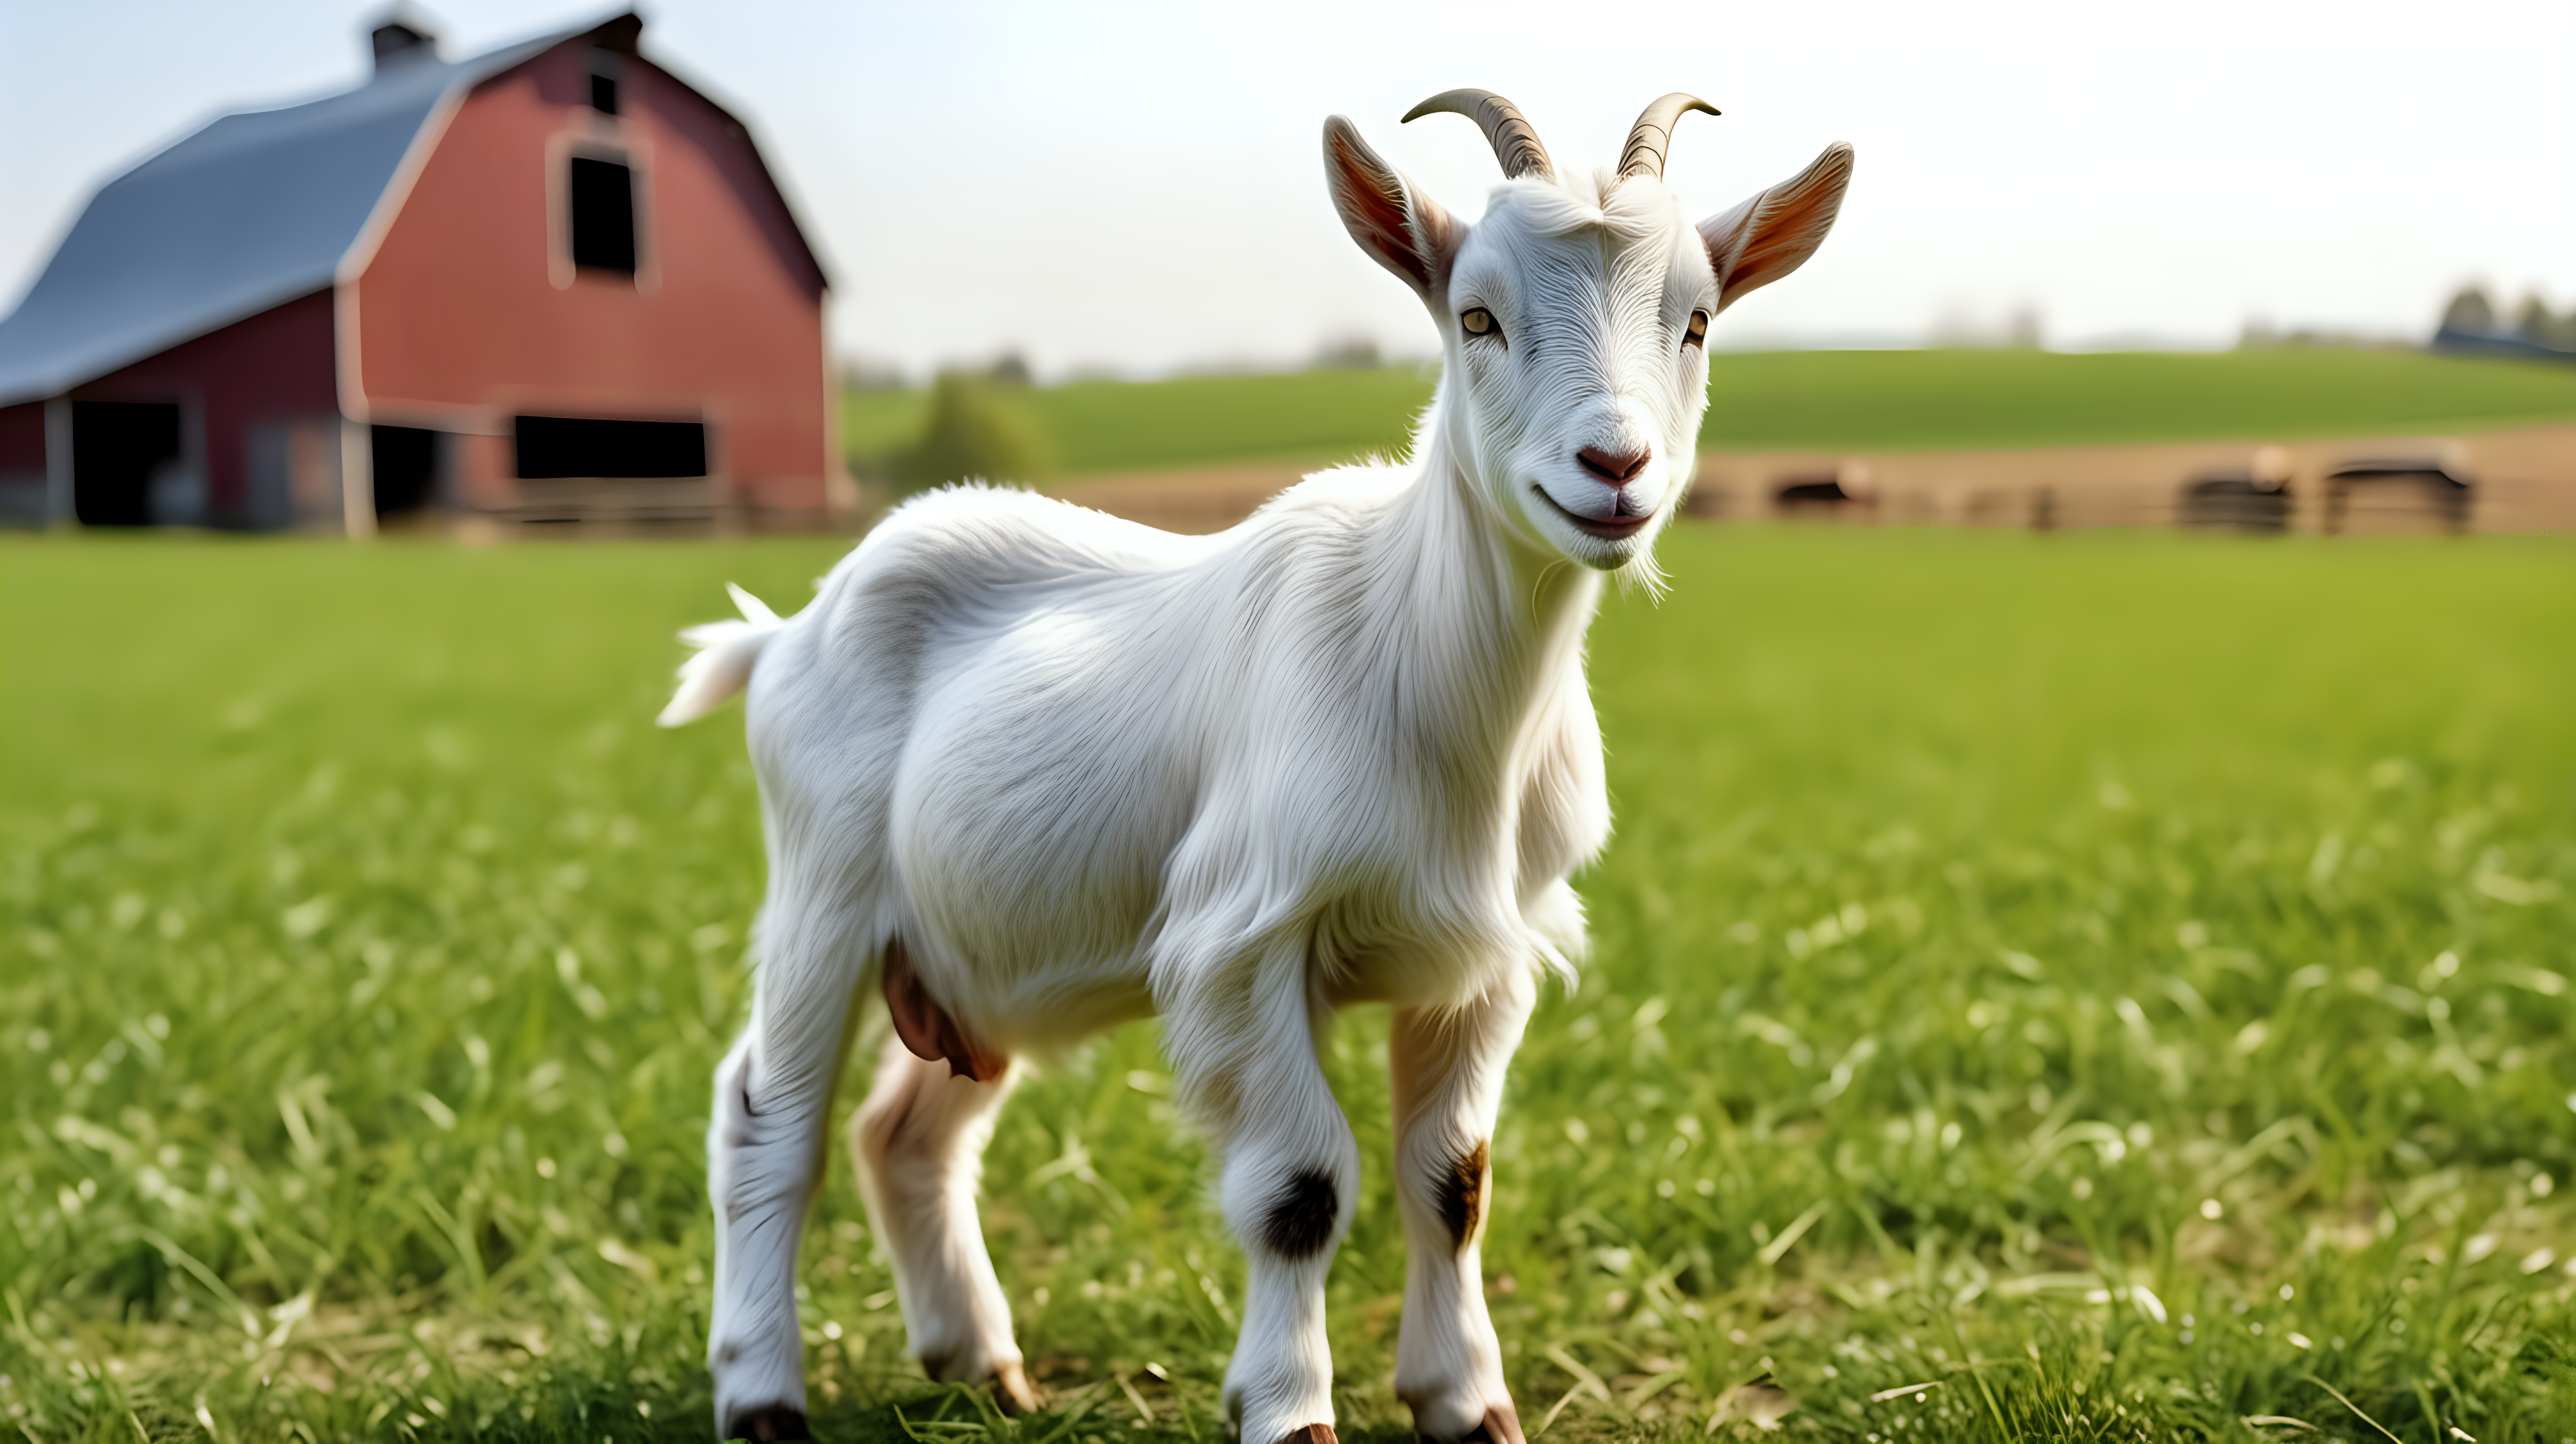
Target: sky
column 1137, row 188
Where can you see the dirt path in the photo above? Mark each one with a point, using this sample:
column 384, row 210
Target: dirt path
column 2525, row 481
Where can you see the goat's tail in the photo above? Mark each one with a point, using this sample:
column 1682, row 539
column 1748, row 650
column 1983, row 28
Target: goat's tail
column 722, row 665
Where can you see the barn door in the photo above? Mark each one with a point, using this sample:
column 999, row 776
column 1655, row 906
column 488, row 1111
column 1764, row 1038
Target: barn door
column 117, row 447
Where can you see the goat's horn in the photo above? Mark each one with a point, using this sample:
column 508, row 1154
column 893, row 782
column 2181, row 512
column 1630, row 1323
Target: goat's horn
column 1651, row 139
column 1514, row 139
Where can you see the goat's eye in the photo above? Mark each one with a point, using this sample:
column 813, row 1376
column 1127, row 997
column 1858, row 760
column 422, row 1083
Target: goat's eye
column 1696, row 333
column 1480, row 322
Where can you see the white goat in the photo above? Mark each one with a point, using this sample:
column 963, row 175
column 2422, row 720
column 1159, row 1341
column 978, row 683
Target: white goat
column 1034, row 771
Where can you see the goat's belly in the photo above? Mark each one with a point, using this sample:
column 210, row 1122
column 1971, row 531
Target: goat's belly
column 1037, row 948
column 1030, row 836
column 1015, row 885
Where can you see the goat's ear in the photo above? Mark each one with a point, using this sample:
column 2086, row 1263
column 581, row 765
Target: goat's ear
column 1774, row 233
column 1400, row 229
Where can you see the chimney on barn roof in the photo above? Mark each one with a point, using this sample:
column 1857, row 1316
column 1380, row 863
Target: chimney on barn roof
column 402, row 38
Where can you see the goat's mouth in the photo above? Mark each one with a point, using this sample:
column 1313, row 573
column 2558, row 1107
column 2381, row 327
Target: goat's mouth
column 1608, row 528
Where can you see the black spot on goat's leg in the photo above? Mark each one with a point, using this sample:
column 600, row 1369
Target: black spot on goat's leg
column 1301, row 1221
column 1462, row 1194
column 771, row 1422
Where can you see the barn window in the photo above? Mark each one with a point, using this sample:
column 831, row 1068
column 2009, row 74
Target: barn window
column 603, row 215
column 406, row 467
column 603, row 94
column 556, row 446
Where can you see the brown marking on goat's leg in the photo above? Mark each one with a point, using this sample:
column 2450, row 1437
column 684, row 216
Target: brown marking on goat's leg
column 927, row 1029
column 1311, row 1434
column 1502, row 1425
column 1300, row 1221
column 767, row 1423
column 1461, row 1192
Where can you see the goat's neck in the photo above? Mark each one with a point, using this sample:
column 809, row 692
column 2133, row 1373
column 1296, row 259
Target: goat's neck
column 1494, row 620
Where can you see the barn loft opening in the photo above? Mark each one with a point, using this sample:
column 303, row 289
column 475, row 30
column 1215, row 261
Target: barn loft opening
column 604, row 71
column 603, row 215
column 405, row 467
column 561, row 446
column 117, row 446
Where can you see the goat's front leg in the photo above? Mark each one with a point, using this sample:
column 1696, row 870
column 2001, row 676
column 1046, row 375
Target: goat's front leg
column 1243, row 1049
column 765, row 1146
column 1447, row 1069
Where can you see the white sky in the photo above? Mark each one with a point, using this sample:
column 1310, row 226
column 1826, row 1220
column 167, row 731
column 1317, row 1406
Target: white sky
column 1139, row 187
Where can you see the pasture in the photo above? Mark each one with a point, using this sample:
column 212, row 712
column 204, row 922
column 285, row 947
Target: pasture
column 2084, row 986
column 1823, row 399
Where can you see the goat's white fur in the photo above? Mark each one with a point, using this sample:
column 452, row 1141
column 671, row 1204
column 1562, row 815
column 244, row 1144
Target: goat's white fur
column 1086, row 771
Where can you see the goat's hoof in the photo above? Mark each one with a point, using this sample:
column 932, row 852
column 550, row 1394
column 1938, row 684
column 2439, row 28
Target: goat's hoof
column 1502, row 1425
column 768, row 1422
column 1311, row 1434
column 1013, row 1391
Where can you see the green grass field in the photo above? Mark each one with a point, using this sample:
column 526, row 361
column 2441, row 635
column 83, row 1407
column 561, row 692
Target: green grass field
column 1824, row 399
column 2082, row 986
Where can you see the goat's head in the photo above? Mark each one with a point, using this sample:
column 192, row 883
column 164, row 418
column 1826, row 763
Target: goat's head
column 1574, row 316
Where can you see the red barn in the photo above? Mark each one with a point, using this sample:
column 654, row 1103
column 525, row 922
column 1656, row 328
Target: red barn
column 552, row 282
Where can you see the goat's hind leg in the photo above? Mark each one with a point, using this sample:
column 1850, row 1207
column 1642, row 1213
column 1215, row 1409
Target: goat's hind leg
column 765, row 1148
column 917, row 1142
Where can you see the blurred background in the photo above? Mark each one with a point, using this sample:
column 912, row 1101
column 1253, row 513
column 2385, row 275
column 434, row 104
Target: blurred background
column 2270, row 213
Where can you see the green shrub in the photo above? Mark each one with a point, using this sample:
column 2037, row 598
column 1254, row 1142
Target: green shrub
column 977, row 430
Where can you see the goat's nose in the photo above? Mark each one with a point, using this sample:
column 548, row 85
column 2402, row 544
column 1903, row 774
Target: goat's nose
column 1614, row 467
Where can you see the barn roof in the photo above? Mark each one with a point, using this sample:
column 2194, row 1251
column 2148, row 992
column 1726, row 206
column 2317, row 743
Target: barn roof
column 247, row 213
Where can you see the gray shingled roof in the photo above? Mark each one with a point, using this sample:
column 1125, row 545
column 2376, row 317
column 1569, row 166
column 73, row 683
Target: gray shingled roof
column 252, row 211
